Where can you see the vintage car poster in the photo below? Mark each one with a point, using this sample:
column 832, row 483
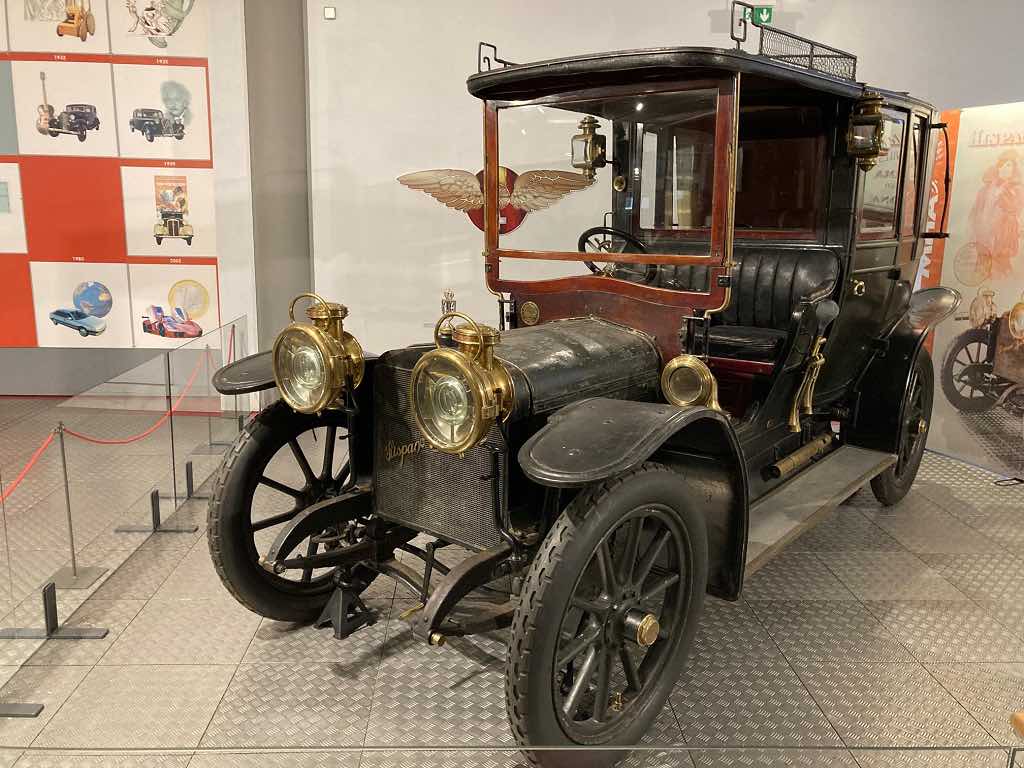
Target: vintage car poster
column 979, row 354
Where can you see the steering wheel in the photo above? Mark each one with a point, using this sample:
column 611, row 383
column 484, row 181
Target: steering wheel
column 610, row 240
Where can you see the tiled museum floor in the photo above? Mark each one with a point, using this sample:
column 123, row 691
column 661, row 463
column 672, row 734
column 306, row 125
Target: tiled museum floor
column 899, row 627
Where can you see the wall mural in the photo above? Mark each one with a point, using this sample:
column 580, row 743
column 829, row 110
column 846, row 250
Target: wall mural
column 109, row 167
column 979, row 355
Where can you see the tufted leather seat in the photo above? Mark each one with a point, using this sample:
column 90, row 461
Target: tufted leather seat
column 769, row 284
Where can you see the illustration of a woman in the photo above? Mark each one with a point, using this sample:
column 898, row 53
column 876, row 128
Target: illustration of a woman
column 995, row 217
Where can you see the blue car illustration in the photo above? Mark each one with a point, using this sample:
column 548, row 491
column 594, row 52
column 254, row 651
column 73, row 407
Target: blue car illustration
column 86, row 325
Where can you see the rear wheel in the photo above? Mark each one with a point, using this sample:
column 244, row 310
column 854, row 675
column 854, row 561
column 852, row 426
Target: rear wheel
column 966, row 370
column 893, row 484
column 281, row 462
column 606, row 618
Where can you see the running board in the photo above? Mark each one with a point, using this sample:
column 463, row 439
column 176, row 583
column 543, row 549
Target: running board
column 789, row 510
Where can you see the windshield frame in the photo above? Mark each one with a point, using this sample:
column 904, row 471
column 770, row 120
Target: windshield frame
column 719, row 247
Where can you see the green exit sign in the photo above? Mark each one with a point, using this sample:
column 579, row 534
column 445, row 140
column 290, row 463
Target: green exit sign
column 760, row 14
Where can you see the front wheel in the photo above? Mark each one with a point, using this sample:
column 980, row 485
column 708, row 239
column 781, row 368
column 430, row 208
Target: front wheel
column 606, row 619
column 894, row 483
column 281, row 463
column 82, row 332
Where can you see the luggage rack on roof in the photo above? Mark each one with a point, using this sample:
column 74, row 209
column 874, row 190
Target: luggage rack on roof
column 792, row 49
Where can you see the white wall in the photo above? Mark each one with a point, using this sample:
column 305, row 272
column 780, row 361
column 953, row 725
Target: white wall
column 232, row 185
column 387, row 96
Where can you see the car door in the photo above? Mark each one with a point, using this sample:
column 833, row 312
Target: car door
column 880, row 246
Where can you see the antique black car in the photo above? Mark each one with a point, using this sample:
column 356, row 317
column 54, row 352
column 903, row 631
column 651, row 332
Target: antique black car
column 733, row 354
column 153, row 122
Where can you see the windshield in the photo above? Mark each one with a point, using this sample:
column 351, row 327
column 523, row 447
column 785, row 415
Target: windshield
column 653, row 169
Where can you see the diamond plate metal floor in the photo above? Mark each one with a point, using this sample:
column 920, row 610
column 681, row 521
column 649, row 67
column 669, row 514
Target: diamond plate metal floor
column 882, row 637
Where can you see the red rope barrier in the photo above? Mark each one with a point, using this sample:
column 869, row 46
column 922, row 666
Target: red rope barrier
column 152, row 429
column 24, row 471
column 118, row 441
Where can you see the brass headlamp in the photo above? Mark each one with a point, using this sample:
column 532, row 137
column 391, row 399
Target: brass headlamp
column 315, row 361
column 687, row 380
column 459, row 393
column 865, row 136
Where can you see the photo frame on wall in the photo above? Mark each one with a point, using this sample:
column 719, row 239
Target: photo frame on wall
column 162, row 111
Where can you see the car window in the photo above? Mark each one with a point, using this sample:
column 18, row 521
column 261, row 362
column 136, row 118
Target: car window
column 780, row 170
column 882, row 183
column 914, row 164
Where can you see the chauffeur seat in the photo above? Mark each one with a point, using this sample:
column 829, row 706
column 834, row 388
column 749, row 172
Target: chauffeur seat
column 769, row 285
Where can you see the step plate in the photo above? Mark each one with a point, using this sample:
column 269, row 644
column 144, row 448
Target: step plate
column 791, row 509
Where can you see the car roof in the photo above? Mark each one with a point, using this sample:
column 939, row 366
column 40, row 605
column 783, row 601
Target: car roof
column 646, row 65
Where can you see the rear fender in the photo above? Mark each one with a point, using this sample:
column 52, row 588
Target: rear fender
column 881, row 391
column 599, row 438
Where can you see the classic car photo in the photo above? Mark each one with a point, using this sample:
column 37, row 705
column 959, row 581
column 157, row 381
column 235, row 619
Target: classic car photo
column 77, row 320
column 172, row 225
column 984, row 366
column 152, row 123
column 76, row 119
column 725, row 346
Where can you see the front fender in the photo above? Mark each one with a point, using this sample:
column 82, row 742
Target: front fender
column 250, row 374
column 599, row 438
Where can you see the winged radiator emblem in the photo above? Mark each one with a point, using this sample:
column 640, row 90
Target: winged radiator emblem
column 518, row 194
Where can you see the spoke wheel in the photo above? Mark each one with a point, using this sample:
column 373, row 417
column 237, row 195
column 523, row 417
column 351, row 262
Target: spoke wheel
column 893, row 484
column 625, row 609
column 967, row 373
column 606, row 618
column 280, row 464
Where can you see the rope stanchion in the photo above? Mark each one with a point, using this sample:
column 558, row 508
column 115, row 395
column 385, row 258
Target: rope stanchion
column 24, row 470
column 150, row 430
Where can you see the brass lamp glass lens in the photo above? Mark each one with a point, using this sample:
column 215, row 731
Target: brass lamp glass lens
column 446, row 404
column 686, row 385
column 300, row 370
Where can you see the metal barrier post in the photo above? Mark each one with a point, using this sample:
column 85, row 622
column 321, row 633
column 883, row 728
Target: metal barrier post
column 73, row 577
column 157, row 526
column 170, row 426
column 51, row 630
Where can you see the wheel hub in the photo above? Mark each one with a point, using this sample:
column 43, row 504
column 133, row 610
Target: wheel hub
column 642, row 628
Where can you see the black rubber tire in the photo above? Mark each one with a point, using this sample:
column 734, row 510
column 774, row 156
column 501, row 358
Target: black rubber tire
column 549, row 585
column 958, row 401
column 82, row 332
column 158, row 239
column 234, row 557
column 894, row 483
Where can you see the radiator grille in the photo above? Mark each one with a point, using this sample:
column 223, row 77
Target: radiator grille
column 448, row 496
